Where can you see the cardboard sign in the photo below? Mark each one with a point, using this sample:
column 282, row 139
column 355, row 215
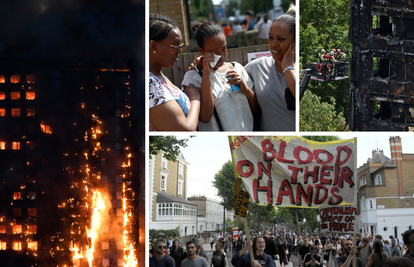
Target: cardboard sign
column 339, row 219
column 295, row 172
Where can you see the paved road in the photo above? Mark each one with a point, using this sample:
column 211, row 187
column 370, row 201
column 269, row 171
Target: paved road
column 293, row 260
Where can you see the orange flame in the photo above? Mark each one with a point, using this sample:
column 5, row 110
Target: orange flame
column 130, row 257
column 97, row 205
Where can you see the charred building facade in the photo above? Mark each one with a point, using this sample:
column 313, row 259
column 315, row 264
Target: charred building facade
column 71, row 131
column 382, row 80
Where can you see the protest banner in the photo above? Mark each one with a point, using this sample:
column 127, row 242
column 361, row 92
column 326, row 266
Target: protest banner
column 339, row 219
column 292, row 171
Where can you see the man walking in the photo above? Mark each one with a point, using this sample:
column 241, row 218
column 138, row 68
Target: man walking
column 271, row 248
column 193, row 260
column 365, row 250
column 160, row 259
column 304, row 250
column 395, row 250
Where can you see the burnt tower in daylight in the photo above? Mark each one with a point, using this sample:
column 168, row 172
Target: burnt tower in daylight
column 71, row 129
column 382, row 80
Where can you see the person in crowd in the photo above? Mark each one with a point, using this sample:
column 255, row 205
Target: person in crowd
column 378, row 254
column 395, row 250
column 312, row 259
column 409, row 243
column 282, row 247
column 396, row 262
column 193, row 259
column 303, row 250
column 169, row 108
column 346, row 259
column 211, row 242
column 152, row 244
column 386, row 248
column 364, row 250
column 248, row 23
column 177, row 253
column 335, row 251
column 318, row 246
column 289, row 244
column 263, row 26
column 275, row 77
column 271, row 247
column 243, row 259
column 295, row 242
column 170, row 243
column 219, row 257
column 240, row 244
column 233, row 108
column 160, row 258
column 326, row 251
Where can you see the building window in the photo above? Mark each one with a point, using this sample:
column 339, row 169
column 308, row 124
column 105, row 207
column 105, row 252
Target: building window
column 17, row 246
column 3, row 245
column 15, row 95
column 17, row 195
column 105, row 245
column 378, row 179
column 15, row 112
column 164, row 163
column 30, row 78
column 2, row 94
column 32, row 245
column 2, row 145
column 370, row 204
column 16, row 145
column 180, row 187
column 15, row 78
column 31, row 229
column 2, row 229
column 163, row 181
column 180, row 169
column 32, row 211
column 17, row 212
column 363, row 181
column 105, row 262
column 30, row 112
column 31, row 195
column 17, row 229
column 30, row 95
column 2, row 112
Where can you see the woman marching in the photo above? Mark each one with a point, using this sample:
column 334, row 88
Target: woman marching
column 242, row 259
column 219, row 257
column 169, row 108
column 282, row 248
column 377, row 256
column 178, row 253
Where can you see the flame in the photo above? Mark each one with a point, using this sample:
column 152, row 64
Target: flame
column 97, row 205
column 130, row 257
column 77, row 253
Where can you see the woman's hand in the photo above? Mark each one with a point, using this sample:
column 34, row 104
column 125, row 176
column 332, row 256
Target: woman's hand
column 236, row 79
column 208, row 57
column 289, row 57
column 198, row 61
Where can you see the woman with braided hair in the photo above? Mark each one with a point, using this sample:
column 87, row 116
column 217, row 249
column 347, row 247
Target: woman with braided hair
column 169, row 108
column 223, row 108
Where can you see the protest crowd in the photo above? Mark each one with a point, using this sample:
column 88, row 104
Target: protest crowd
column 272, row 249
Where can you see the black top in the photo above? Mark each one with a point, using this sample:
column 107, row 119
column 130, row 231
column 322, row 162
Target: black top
column 271, row 248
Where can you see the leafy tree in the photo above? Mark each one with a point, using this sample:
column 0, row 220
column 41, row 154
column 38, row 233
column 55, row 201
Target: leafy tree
column 224, row 182
column 201, row 9
column 324, row 24
column 320, row 116
column 166, row 233
column 256, row 5
column 169, row 144
column 230, row 224
column 322, row 138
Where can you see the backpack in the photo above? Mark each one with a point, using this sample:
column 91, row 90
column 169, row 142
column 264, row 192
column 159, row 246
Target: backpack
column 265, row 257
column 218, row 259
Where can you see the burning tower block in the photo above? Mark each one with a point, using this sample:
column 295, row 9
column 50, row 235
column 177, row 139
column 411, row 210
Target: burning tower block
column 382, row 37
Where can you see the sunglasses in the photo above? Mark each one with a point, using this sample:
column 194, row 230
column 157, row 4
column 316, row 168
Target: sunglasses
column 175, row 47
column 160, row 247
